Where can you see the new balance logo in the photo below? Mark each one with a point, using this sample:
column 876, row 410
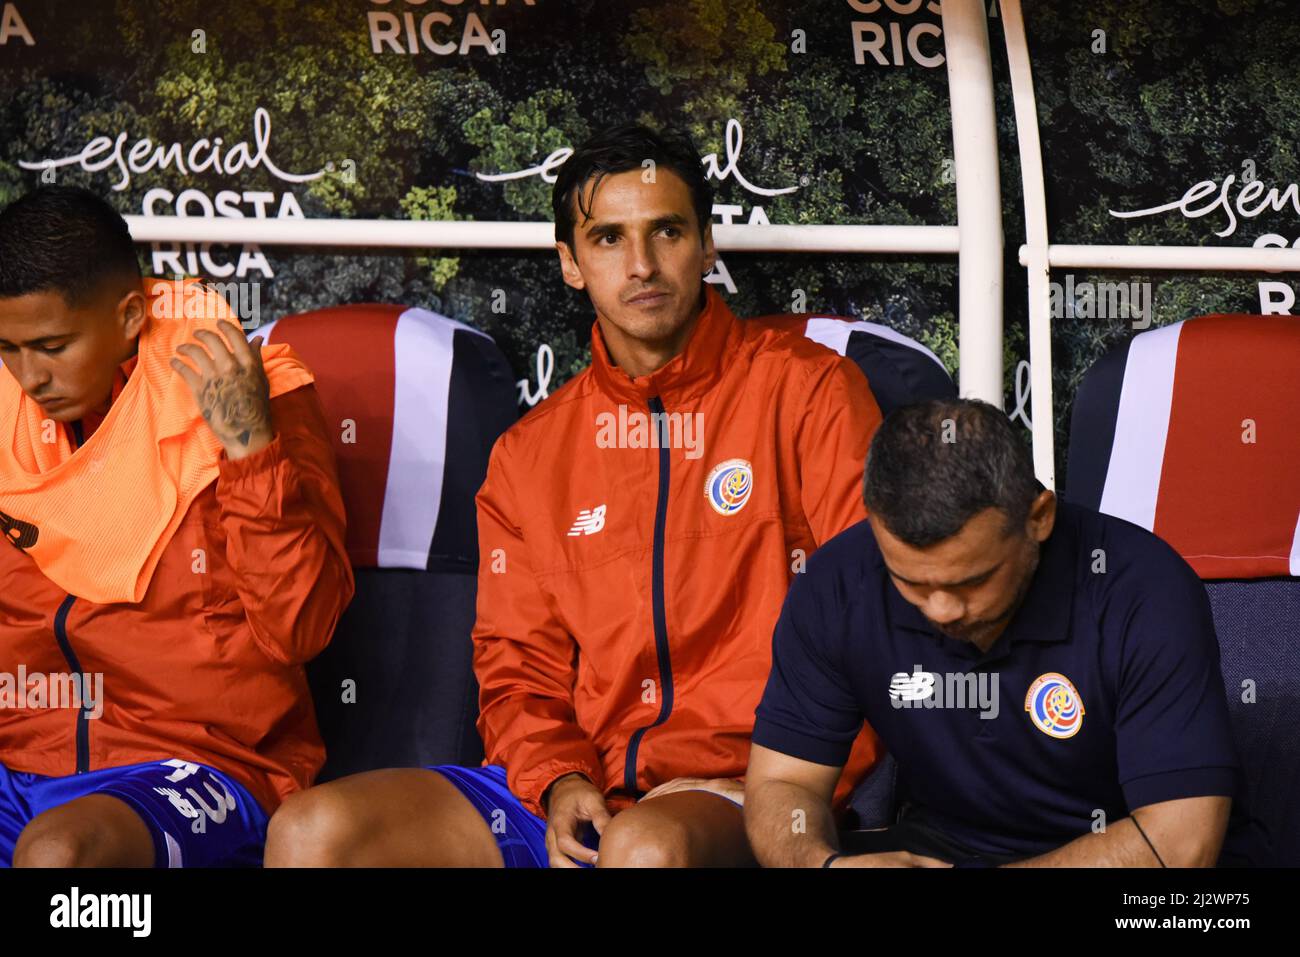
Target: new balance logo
column 589, row 521
column 917, row 686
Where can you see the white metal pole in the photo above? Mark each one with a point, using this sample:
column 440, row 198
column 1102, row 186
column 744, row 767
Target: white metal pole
column 1031, row 176
column 846, row 239
column 1195, row 258
column 468, row 234
column 979, row 199
column 342, row 232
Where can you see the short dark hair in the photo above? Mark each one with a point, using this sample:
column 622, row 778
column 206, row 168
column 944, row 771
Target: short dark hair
column 934, row 465
column 618, row 149
column 63, row 239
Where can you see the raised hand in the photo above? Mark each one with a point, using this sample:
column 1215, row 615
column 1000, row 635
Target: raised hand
column 230, row 387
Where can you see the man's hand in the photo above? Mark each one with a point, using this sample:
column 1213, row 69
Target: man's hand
column 230, row 387
column 571, row 801
column 733, row 788
column 888, row 859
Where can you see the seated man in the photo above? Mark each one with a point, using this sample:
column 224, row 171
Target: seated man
column 637, row 533
column 1046, row 677
column 178, row 554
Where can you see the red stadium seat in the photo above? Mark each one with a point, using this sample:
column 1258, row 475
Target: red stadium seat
column 417, row 401
column 1190, row 431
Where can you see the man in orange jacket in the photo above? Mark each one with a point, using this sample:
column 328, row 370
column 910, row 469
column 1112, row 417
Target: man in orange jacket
column 638, row 531
column 170, row 492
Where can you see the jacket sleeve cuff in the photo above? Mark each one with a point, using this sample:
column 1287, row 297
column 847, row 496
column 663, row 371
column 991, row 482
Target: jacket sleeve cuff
column 532, row 786
column 263, row 460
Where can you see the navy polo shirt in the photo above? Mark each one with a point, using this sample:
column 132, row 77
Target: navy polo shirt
column 1108, row 690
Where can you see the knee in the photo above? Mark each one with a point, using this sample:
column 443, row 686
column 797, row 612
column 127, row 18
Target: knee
column 310, row 829
column 47, row 842
column 644, row 839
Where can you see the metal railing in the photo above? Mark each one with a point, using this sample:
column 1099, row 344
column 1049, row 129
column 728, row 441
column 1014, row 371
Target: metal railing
column 976, row 240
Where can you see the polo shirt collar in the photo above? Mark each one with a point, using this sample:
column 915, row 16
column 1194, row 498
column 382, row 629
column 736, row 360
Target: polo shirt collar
column 1045, row 614
column 1047, row 611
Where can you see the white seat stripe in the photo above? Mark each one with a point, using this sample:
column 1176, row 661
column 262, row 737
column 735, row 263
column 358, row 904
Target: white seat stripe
column 834, row 334
column 422, row 359
column 1142, row 427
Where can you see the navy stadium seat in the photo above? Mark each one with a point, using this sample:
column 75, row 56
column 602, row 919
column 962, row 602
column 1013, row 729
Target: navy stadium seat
column 899, row 369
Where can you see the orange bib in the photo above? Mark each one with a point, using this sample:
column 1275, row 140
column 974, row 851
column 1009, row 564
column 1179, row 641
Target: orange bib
column 96, row 519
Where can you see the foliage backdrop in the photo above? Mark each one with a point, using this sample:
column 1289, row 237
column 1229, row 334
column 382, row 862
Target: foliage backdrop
column 1137, row 103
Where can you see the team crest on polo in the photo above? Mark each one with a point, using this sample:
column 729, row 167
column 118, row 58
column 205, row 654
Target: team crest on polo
column 729, row 485
column 1054, row 706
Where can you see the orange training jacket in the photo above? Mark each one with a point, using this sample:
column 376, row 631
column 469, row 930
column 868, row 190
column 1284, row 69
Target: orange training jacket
column 628, row 588
column 208, row 666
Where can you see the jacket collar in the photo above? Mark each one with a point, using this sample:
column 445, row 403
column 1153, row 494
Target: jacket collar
column 85, row 427
column 120, row 379
column 685, row 377
column 123, row 374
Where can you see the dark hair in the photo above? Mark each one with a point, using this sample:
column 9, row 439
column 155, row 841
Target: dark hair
column 934, row 465
column 618, row 149
column 63, row 239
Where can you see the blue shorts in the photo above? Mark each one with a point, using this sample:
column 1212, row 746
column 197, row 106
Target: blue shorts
column 520, row 834
column 198, row 817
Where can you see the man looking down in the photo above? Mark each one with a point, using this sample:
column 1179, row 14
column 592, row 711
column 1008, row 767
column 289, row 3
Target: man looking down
column 1047, row 677
column 170, row 496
